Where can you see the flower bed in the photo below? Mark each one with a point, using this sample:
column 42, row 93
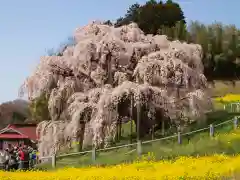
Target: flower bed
column 229, row 98
column 212, row 167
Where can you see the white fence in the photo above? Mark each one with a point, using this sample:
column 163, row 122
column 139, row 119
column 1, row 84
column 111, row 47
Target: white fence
column 232, row 107
column 139, row 143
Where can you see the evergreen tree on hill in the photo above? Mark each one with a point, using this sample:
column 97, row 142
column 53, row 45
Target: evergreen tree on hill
column 151, row 16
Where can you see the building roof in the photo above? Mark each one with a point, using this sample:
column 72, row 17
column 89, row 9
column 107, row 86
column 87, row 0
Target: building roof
column 13, row 136
column 21, row 131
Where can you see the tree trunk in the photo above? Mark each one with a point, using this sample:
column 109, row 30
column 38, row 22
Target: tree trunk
column 109, row 69
column 152, row 131
column 163, row 127
column 78, row 141
column 120, row 129
column 131, row 119
column 81, row 138
column 138, row 120
column 117, row 129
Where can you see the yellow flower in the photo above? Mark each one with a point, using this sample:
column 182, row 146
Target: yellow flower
column 229, row 98
column 209, row 167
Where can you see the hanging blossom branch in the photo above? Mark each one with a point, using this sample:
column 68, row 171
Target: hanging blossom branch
column 92, row 82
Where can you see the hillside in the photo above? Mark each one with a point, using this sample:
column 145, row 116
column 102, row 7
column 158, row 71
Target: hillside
column 13, row 112
column 223, row 87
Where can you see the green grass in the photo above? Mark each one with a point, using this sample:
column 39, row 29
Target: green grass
column 198, row 145
column 192, row 145
column 195, row 145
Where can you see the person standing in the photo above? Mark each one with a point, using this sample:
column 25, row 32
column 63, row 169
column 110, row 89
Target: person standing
column 16, row 149
column 34, row 157
column 24, row 158
column 6, row 163
column 21, row 158
column 30, row 150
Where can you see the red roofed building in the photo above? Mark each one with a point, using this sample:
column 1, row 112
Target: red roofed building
column 17, row 134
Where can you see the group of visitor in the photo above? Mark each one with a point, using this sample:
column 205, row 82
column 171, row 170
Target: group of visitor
column 20, row 157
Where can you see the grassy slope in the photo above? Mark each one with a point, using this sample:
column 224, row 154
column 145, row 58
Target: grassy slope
column 220, row 88
column 197, row 144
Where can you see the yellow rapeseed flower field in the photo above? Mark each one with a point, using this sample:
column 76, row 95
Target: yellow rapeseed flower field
column 229, row 98
column 208, row 167
column 213, row 167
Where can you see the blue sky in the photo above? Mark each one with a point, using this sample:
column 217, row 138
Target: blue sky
column 29, row 28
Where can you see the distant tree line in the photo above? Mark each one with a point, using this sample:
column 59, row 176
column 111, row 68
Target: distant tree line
column 221, row 43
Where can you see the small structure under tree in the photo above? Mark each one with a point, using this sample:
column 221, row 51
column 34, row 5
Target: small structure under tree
column 18, row 134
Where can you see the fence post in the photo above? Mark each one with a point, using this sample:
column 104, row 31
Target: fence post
column 235, row 121
column 211, row 130
column 179, row 135
column 94, row 154
column 54, row 161
column 139, row 147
